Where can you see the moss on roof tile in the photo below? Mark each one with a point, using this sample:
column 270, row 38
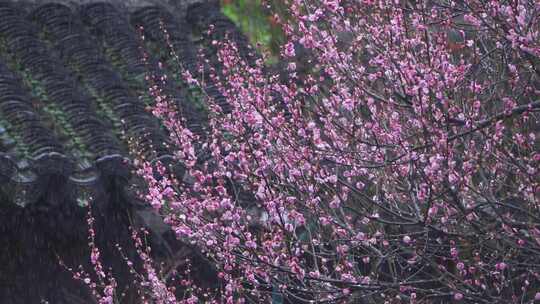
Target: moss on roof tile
column 73, row 86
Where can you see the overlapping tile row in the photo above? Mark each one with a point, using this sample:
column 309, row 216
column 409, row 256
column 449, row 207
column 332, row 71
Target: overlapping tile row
column 38, row 141
column 73, row 91
column 42, row 150
column 123, row 43
column 82, row 53
column 61, row 92
column 154, row 20
column 112, row 28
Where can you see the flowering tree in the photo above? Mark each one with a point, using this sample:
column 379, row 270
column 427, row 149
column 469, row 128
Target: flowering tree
column 401, row 165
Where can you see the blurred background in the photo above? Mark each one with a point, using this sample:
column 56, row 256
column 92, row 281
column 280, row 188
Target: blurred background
column 255, row 19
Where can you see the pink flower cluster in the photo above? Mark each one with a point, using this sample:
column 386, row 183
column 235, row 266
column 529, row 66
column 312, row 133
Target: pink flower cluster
column 101, row 284
column 401, row 164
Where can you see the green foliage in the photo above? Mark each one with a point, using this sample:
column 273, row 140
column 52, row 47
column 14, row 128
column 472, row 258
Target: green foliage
column 255, row 21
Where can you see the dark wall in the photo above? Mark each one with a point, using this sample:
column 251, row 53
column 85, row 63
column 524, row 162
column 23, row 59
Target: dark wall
column 33, row 238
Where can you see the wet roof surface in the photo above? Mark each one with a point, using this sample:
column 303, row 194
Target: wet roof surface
column 74, row 89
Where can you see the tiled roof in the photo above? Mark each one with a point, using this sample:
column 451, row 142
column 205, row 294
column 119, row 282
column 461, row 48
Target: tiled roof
column 73, row 98
column 73, row 93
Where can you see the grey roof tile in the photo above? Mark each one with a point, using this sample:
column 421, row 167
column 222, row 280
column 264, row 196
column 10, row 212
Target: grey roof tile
column 73, row 89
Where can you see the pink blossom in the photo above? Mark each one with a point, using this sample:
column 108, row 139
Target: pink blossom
column 403, row 121
column 406, row 239
column 289, row 50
